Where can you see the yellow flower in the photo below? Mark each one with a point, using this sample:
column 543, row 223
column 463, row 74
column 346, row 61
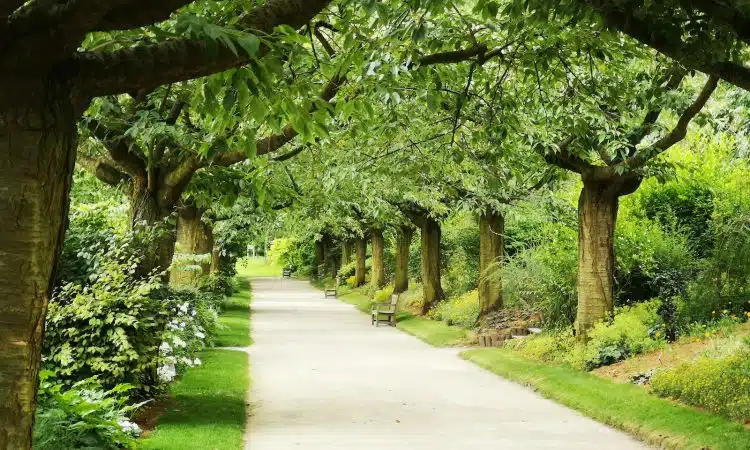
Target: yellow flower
column 726, row 311
column 708, row 334
column 658, row 334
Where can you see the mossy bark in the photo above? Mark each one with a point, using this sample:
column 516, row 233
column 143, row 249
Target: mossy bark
column 146, row 211
column 195, row 244
column 491, row 230
column 38, row 142
column 215, row 260
column 403, row 242
column 361, row 256
column 430, row 252
column 597, row 218
column 346, row 252
column 378, row 266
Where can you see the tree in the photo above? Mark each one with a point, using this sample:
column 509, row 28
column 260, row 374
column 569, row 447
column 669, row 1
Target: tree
column 48, row 84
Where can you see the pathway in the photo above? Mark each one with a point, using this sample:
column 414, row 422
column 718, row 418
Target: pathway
column 323, row 378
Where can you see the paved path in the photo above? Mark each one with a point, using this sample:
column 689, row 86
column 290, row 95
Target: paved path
column 323, row 378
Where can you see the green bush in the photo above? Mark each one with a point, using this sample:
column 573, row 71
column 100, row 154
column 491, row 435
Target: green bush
column 84, row 416
column 219, row 283
column 383, row 295
column 461, row 311
column 543, row 278
column 634, row 330
column 720, row 385
column 124, row 330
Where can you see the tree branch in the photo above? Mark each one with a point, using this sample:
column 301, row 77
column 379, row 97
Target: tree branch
column 139, row 13
column 290, row 154
column 274, row 142
column 564, row 159
column 101, row 169
column 628, row 22
column 451, row 57
column 120, row 148
column 679, row 131
column 175, row 60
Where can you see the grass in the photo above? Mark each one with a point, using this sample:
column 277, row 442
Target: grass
column 235, row 320
column 435, row 333
column 208, row 407
column 628, row 407
column 256, row 266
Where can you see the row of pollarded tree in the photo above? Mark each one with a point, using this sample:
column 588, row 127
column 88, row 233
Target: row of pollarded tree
column 491, row 251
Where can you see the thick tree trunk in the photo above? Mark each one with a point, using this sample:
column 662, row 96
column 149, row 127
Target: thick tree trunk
column 361, row 255
column 37, row 143
column 597, row 214
column 215, row 260
column 378, row 266
column 346, row 252
column 491, row 229
column 433, row 290
column 403, row 242
column 195, row 243
column 145, row 212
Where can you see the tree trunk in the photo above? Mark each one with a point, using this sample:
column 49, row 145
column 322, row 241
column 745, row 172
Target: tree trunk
column 491, row 229
column 215, row 260
column 195, row 243
column 597, row 214
column 346, row 252
column 146, row 213
column 361, row 255
column 38, row 148
column 378, row 267
column 320, row 254
column 433, row 290
column 403, row 242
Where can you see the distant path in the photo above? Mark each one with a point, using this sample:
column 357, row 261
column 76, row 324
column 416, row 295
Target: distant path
column 324, row 379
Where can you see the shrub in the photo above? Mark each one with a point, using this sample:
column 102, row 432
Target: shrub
column 462, row 311
column 414, row 297
column 383, row 295
column 219, row 283
column 720, row 385
column 351, row 281
column 551, row 346
column 543, row 278
column 83, row 416
column 634, row 330
column 118, row 329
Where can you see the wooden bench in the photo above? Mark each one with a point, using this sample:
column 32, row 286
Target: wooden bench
column 333, row 291
column 387, row 309
column 286, row 273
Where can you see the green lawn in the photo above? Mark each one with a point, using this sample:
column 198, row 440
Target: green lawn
column 258, row 267
column 359, row 300
column 235, row 320
column 208, row 408
column 656, row 421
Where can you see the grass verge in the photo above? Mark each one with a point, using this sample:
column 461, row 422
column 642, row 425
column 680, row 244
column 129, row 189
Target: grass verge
column 630, row 408
column 208, row 404
column 235, row 320
column 435, row 333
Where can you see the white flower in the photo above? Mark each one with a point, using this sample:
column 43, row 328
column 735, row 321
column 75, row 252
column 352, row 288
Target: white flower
column 197, row 362
column 184, row 308
column 165, row 348
column 199, row 335
column 166, row 373
column 177, row 342
column 187, row 361
column 129, row 427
